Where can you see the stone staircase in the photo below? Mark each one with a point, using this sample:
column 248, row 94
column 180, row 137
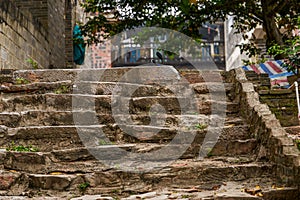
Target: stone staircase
column 130, row 133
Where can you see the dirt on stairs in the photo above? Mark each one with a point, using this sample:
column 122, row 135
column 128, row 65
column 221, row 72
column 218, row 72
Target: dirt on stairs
column 129, row 133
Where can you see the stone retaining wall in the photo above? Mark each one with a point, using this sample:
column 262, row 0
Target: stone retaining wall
column 276, row 146
column 283, row 103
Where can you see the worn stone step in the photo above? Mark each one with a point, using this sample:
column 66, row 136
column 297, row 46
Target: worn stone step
column 140, row 90
column 148, row 74
column 212, row 87
column 178, row 174
column 132, row 89
column 47, row 138
column 40, row 161
column 198, row 76
column 38, row 87
column 216, row 91
column 239, row 190
column 227, row 191
column 135, row 74
column 58, row 118
column 293, row 131
column 5, row 79
column 105, row 103
column 51, row 101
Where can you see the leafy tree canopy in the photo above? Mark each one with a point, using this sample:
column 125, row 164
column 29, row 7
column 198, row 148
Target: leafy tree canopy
column 109, row 17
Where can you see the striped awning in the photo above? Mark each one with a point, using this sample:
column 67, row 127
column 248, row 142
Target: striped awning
column 274, row 69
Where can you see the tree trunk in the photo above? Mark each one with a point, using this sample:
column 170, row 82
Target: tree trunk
column 269, row 24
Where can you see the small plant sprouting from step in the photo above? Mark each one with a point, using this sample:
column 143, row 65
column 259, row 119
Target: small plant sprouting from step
column 83, row 186
column 33, row 63
column 21, row 81
column 21, row 148
column 209, row 152
column 201, row 126
column 186, row 196
column 105, row 142
column 62, row 89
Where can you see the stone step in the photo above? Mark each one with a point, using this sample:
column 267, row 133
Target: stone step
column 47, row 138
column 104, row 179
column 5, row 80
column 198, row 76
column 59, row 118
column 141, row 90
column 38, row 87
column 6, row 77
column 105, row 103
column 122, row 89
column 145, row 74
column 34, row 162
column 293, row 131
column 47, row 79
column 240, row 190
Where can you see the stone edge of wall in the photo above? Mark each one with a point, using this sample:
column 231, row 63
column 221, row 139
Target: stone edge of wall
column 275, row 145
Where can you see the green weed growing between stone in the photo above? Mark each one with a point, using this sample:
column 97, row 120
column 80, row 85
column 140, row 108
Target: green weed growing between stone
column 104, row 142
column 62, row 89
column 21, row 148
column 21, row 81
column 83, row 186
column 33, row 63
column 201, row 126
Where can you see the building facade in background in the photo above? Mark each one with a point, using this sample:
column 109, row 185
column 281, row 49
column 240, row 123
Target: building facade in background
column 127, row 52
column 100, row 55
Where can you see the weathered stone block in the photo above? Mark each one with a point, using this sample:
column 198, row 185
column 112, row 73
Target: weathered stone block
column 51, row 182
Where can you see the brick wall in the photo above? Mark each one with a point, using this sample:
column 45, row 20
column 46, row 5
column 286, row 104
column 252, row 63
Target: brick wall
column 21, row 37
column 57, row 43
column 69, row 24
column 36, row 29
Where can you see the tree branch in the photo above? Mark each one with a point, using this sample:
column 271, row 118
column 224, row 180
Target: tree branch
column 278, row 7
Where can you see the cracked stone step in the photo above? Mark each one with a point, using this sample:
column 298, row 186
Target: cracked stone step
column 134, row 74
column 139, row 90
column 35, row 161
column 5, row 78
column 151, row 74
column 212, row 174
column 181, row 173
column 57, row 118
column 227, row 191
column 293, row 131
column 221, row 148
column 136, row 90
column 123, row 89
column 57, row 137
column 198, row 76
column 36, row 87
column 107, row 104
